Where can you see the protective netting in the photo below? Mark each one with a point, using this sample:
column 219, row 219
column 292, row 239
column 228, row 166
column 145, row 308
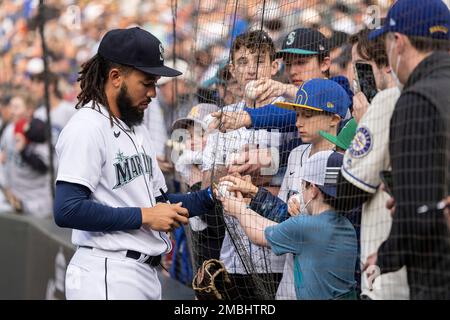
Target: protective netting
column 244, row 40
column 291, row 106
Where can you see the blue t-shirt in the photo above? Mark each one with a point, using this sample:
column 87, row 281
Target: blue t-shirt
column 325, row 249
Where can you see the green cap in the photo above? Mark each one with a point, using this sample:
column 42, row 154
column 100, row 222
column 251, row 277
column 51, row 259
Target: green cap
column 345, row 137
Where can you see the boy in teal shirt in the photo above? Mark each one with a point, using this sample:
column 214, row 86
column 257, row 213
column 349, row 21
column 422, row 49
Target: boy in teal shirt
column 323, row 242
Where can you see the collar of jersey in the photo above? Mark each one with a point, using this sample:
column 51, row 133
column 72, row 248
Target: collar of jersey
column 118, row 122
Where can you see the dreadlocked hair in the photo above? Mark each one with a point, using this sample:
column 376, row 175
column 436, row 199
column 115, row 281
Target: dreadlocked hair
column 93, row 77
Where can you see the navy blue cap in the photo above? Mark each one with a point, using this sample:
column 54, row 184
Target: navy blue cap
column 304, row 41
column 420, row 18
column 322, row 169
column 320, row 95
column 136, row 48
column 334, row 165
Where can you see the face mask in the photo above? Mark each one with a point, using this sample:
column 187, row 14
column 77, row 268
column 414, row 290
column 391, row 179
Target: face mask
column 394, row 72
column 303, row 205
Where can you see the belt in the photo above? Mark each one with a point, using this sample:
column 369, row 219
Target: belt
column 153, row 261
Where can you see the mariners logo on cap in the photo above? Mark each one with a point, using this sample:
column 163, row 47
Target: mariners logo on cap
column 161, row 52
column 330, row 105
column 362, row 143
column 290, row 38
column 321, row 47
column 392, row 22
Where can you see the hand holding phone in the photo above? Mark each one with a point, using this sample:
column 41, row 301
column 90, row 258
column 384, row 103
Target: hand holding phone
column 365, row 80
column 386, row 178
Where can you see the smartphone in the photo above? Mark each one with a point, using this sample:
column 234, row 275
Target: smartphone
column 366, row 80
column 386, row 178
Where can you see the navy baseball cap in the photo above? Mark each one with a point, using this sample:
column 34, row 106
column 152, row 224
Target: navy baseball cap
column 136, row 48
column 322, row 169
column 304, row 41
column 430, row 19
column 320, row 95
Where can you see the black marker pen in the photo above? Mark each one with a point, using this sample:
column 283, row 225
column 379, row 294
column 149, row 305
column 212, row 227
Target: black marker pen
column 164, row 195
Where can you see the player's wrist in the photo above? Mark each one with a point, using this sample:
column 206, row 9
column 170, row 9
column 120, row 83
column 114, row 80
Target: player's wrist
column 146, row 216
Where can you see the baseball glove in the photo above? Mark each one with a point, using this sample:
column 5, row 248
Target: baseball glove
column 211, row 281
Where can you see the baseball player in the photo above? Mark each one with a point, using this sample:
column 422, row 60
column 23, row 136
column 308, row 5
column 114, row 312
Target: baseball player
column 108, row 182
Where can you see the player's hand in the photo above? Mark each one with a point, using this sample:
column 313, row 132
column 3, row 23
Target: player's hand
column 243, row 185
column 164, row 217
column 230, row 120
column 360, row 106
column 293, row 206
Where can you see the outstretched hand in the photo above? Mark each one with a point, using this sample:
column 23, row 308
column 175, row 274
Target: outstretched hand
column 243, row 185
column 230, row 120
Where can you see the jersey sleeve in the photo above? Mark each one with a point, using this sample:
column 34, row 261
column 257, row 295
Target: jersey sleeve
column 81, row 154
column 367, row 154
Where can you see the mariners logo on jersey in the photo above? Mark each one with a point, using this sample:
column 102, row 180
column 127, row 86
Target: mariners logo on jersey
column 129, row 168
column 362, row 143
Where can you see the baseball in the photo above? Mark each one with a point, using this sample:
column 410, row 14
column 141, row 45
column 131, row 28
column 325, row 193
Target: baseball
column 251, row 91
column 296, row 197
column 222, row 189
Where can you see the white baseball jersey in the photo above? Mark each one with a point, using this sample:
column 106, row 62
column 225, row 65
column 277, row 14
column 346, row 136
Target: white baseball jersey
column 119, row 166
column 363, row 161
column 220, row 150
column 291, row 185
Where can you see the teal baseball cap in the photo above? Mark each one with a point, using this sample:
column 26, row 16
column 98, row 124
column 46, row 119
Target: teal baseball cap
column 304, row 41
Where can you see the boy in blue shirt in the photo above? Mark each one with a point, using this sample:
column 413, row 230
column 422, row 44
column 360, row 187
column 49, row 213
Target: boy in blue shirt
column 323, row 242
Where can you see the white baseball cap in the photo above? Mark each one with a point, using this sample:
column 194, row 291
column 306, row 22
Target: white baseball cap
column 198, row 114
column 322, row 170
